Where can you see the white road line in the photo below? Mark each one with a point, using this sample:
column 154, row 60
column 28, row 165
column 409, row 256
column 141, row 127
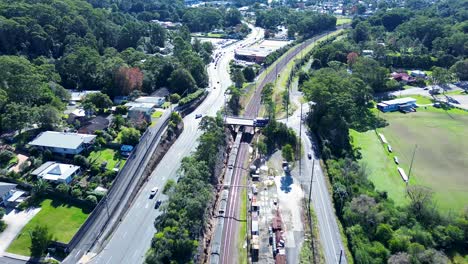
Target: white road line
column 146, row 205
column 77, row 253
column 108, row 261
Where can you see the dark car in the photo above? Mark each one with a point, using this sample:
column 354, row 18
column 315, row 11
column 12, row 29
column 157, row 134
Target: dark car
column 157, row 204
column 309, row 155
column 198, row 116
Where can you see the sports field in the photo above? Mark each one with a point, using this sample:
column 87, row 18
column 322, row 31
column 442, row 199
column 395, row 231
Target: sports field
column 441, row 157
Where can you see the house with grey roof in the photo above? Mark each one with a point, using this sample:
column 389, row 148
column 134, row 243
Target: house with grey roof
column 9, row 195
column 55, row 172
column 63, row 142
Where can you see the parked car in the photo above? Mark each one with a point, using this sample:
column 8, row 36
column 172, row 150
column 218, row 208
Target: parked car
column 157, row 204
column 396, row 160
column 198, row 116
column 389, row 148
column 153, row 192
column 309, row 155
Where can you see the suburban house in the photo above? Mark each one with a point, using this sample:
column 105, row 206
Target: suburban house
column 77, row 114
column 157, row 101
column 120, row 99
column 139, row 112
column 97, row 123
column 418, row 74
column 403, row 77
column 56, row 172
column 400, row 104
column 9, row 196
column 63, row 142
column 78, row 96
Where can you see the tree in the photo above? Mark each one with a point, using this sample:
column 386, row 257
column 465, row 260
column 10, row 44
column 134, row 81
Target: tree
column 3, row 225
column 80, row 160
column 234, row 102
column 262, row 148
column 460, row 69
column 400, row 258
column 40, row 239
column 97, row 101
column 170, row 184
column 288, row 153
column 79, row 68
column 128, row 80
column 370, row 71
column 384, row 233
column 238, row 78
column 172, row 244
column 174, row 98
column 48, row 116
column 40, row 187
column 129, row 136
column 441, row 76
column 249, row 74
column 16, row 117
column 233, row 17
column 63, row 188
column 352, row 58
column 181, row 81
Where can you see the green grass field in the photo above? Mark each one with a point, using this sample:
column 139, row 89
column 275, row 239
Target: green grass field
column 440, row 159
column 63, row 221
column 110, row 156
column 343, row 20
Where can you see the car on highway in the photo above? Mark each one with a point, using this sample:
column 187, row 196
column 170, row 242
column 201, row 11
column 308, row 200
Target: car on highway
column 309, row 155
column 153, row 192
column 157, row 204
column 198, row 116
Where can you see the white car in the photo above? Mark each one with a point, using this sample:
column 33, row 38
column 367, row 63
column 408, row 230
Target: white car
column 153, row 192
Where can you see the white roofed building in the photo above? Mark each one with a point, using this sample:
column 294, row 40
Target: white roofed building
column 62, row 142
column 56, row 172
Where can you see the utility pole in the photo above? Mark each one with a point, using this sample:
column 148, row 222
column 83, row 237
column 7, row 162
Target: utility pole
column 411, row 165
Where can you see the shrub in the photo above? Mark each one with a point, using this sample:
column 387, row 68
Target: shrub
column 76, row 193
column 191, row 97
column 5, row 157
column 81, row 161
column 174, row 98
column 92, row 199
column 62, row 188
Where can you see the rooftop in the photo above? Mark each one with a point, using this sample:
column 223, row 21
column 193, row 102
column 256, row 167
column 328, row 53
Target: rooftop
column 79, row 95
column 54, row 171
column 399, row 101
column 64, row 140
column 6, row 187
column 150, row 100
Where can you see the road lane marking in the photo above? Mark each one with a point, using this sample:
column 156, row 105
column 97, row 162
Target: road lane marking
column 108, row 261
column 146, row 205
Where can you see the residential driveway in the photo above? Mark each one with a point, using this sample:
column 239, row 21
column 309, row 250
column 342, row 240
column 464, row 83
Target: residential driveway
column 15, row 220
column 21, row 158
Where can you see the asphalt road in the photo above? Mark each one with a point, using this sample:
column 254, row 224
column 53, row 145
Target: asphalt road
column 330, row 237
column 132, row 238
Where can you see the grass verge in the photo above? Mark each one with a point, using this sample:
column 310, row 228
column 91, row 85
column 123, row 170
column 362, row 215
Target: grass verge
column 242, row 228
column 63, row 220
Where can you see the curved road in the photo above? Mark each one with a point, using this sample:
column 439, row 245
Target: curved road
column 132, row 238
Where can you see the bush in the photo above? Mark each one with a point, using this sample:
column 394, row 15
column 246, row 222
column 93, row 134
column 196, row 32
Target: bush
column 174, row 98
column 81, row 161
column 168, row 186
column 76, row 193
column 62, row 188
column 129, row 136
column 5, row 157
column 92, row 199
column 191, row 97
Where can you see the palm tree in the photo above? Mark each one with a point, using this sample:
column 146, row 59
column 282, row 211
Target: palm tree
column 40, row 187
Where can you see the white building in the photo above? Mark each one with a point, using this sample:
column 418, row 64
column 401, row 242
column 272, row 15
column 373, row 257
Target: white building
column 63, row 143
column 56, row 172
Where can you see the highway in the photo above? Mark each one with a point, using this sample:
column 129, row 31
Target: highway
column 327, row 223
column 132, row 238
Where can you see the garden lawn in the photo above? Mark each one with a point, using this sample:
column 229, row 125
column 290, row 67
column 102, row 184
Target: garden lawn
column 420, row 99
column 157, row 114
column 440, row 159
column 110, row 156
column 63, row 220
